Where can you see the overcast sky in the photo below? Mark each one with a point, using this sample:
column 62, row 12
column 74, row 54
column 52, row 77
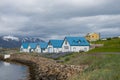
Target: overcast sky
column 58, row 18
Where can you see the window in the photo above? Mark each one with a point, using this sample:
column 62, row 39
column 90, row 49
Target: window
column 85, row 49
column 74, row 49
column 66, row 47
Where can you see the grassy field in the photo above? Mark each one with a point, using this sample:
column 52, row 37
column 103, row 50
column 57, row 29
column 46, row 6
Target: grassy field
column 101, row 65
column 112, row 45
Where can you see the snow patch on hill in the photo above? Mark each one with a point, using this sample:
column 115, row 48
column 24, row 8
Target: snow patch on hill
column 9, row 37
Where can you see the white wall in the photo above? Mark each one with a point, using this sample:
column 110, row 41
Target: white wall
column 45, row 50
column 79, row 48
column 66, row 47
column 38, row 49
column 29, row 49
column 50, row 49
column 23, row 49
column 57, row 50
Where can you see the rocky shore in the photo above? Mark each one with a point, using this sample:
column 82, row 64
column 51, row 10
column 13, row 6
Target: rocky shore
column 45, row 69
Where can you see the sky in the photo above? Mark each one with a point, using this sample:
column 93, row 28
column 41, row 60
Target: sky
column 51, row 19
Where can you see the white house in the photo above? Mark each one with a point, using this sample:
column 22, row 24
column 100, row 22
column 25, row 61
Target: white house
column 38, row 48
column 24, row 47
column 75, row 44
column 28, row 47
column 69, row 44
column 41, row 47
column 55, row 46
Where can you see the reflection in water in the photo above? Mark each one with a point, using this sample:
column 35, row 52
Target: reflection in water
column 12, row 71
column 6, row 63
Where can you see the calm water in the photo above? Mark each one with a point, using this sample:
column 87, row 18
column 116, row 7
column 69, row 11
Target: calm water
column 10, row 71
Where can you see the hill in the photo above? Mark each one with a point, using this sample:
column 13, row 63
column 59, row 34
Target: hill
column 103, row 63
column 110, row 45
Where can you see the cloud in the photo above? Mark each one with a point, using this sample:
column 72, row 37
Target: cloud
column 58, row 18
column 11, row 24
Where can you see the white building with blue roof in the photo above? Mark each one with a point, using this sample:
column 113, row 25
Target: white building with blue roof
column 75, row 44
column 69, row 44
column 24, row 47
column 41, row 47
column 32, row 47
column 55, row 46
column 28, row 47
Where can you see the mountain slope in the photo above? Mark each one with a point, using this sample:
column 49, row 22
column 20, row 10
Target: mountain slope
column 15, row 42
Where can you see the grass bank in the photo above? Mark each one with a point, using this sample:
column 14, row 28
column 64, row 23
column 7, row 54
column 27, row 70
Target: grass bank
column 103, row 63
column 101, row 67
column 111, row 45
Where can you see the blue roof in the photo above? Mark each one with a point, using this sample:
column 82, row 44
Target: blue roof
column 33, row 45
column 25, row 45
column 43, row 44
column 77, row 41
column 56, row 43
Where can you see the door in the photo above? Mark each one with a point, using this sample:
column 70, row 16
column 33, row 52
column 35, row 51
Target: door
column 50, row 50
column 74, row 49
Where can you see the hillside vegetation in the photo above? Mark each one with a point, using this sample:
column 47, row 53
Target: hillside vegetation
column 110, row 45
column 100, row 66
column 103, row 63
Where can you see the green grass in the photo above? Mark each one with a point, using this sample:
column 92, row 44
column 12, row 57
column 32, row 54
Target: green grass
column 100, row 66
column 112, row 45
column 68, row 57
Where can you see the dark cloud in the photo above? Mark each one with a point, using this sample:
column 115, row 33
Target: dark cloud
column 59, row 18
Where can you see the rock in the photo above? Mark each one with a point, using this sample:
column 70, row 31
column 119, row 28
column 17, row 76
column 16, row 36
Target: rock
column 46, row 69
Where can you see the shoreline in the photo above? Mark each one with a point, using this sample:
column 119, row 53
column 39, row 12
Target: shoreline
column 44, row 69
column 30, row 68
column 27, row 77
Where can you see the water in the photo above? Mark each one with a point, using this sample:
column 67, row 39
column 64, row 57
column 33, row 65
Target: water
column 10, row 71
